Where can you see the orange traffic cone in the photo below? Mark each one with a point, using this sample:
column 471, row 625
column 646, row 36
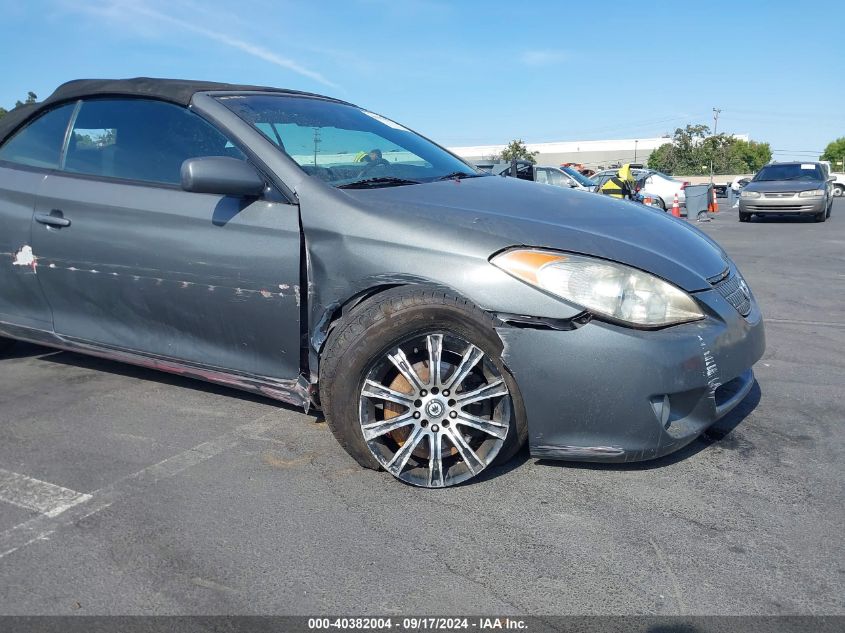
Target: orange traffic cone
column 676, row 208
column 715, row 202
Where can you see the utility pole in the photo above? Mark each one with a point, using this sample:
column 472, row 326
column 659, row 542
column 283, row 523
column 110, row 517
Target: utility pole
column 317, row 141
column 635, row 150
column 716, row 112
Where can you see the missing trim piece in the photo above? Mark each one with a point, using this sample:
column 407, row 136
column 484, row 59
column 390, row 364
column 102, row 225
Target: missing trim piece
column 545, row 323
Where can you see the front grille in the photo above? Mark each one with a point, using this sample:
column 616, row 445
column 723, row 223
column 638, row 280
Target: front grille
column 774, row 208
column 780, row 194
column 731, row 289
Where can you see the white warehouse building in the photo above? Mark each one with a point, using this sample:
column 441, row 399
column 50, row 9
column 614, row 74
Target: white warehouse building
column 593, row 154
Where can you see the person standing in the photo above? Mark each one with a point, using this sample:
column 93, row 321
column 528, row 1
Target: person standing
column 622, row 185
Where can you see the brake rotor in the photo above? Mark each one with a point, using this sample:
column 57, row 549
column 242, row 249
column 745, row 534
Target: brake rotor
column 391, row 410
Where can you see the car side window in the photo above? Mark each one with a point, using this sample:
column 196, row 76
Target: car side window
column 542, row 176
column 556, row 178
column 39, row 143
column 140, row 139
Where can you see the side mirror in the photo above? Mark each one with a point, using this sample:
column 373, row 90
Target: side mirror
column 221, row 175
column 831, row 179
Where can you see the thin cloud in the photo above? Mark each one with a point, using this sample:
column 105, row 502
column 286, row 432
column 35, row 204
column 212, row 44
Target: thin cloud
column 119, row 9
column 543, row 57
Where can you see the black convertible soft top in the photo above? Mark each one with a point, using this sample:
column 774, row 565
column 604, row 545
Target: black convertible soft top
column 178, row 91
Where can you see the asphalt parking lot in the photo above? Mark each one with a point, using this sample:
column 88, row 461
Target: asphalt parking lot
column 169, row 496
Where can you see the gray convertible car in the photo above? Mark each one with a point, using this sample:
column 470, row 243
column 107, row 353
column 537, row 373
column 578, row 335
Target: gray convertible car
column 320, row 254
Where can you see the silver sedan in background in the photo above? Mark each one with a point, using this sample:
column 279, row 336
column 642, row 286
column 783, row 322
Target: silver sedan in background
column 787, row 188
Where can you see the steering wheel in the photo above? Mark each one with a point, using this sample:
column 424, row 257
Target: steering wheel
column 377, row 163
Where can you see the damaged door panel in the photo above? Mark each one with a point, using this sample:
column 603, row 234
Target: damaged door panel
column 196, row 277
column 21, row 299
column 24, row 162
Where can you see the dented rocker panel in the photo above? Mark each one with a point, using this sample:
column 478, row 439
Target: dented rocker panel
column 295, row 392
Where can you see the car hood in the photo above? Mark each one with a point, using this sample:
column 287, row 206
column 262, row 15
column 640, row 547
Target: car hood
column 492, row 213
column 776, row 186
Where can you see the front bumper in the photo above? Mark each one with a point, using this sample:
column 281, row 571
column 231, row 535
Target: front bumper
column 602, row 392
column 794, row 204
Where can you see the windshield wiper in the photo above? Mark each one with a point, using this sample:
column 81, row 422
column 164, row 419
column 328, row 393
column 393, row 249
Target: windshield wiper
column 384, row 181
column 458, row 175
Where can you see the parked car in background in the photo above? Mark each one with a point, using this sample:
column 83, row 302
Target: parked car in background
column 838, row 179
column 561, row 178
column 585, row 181
column 526, row 170
column 785, row 188
column 738, row 183
column 657, row 184
column 440, row 317
column 838, row 184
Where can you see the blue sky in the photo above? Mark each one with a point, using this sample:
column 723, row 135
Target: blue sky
column 465, row 72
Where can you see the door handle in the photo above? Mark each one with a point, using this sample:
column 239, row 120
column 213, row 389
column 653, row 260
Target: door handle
column 55, row 218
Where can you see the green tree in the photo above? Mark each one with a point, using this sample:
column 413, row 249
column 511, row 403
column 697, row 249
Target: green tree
column 693, row 147
column 687, row 154
column 517, row 150
column 835, row 153
column 747, row 157
column 31, row 97
column 664, row 159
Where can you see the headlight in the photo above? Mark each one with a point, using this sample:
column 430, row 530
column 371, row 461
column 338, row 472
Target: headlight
column 813, row 193
column 750, row 194
column 605, row 288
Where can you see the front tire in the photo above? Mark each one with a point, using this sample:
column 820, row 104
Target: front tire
column 821, row 216
column 412, row 381
column 744, row 217
column 839, row 190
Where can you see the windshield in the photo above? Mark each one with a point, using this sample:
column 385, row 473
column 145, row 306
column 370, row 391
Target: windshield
column 790, row 171
column 346, row 146
column 581, row 178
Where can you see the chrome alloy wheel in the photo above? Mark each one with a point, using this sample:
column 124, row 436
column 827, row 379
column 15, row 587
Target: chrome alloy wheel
column 435, row 410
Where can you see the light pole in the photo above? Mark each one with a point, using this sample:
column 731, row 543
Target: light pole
column 716, row 112
column 635, row 149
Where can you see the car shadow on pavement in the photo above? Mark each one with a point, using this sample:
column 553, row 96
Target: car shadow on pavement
column 783, row 219
column 28, row 350
column 719, row 434
column 498, row 470
column 47, row 354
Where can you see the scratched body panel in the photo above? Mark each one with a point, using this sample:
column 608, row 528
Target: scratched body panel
column 610, row 383
column 197, row 277
column 21, row 299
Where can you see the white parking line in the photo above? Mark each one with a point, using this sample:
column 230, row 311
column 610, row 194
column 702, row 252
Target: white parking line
column 34, row 494
column 42, row 527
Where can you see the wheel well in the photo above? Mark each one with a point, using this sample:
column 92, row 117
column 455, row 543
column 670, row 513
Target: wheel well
column 327, row 322
column 334, row 315
column 352, row 302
